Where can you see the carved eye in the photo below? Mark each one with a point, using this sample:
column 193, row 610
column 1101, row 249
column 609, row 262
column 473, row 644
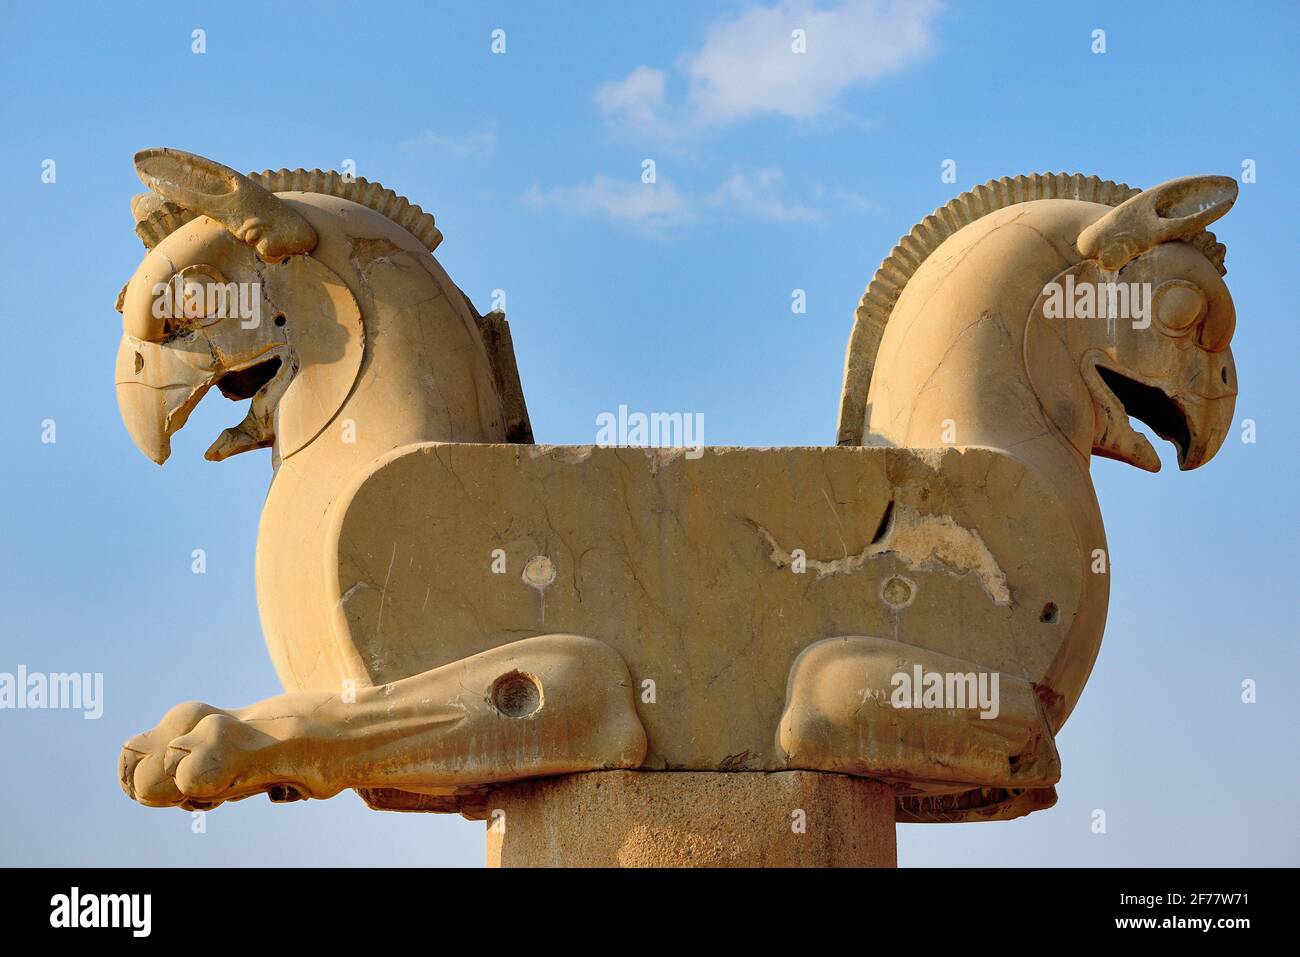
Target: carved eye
column 203, row 296
column 1178, row 306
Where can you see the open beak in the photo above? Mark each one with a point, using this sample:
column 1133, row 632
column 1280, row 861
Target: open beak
column 1194, row 423
column 158, row 387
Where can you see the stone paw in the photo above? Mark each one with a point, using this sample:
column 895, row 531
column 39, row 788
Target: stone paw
column 844, row 714
column 199, row 757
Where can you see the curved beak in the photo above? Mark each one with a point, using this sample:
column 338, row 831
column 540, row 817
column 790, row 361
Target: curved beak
column 157, row 388
column 1195, row 422
column 1208, row 412
column 1208, row 423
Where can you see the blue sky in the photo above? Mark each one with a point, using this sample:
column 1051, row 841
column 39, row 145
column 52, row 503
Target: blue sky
column 674, row 296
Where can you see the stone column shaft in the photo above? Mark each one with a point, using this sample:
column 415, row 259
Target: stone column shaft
column 692, row 819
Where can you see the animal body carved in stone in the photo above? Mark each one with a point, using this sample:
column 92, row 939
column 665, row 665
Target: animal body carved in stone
column 451, row 607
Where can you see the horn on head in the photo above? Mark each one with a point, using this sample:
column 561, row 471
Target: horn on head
column 1173, row 210
column 251, row 213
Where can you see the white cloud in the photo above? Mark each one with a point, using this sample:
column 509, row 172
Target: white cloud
column 747, row 67
column 648, row 205
column 759, row 195
column 844, row 199
column 756, row 195
column 476, row 144
column 637, row 99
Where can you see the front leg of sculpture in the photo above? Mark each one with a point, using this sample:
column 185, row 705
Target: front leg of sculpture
column 884, row 709
column 554, row 704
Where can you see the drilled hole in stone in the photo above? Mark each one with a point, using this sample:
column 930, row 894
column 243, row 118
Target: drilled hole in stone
column 897, row 591
column 517, row 695
column 1049, row 613
column 539, row 571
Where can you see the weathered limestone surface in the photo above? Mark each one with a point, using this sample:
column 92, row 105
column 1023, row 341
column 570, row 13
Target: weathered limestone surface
column 671, row 651
column 686, row 568
column 692, row 819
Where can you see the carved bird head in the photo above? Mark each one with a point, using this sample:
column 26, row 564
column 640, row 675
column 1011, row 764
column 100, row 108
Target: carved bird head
column 230, row 298
column 1145, row 319
column 1165, row 359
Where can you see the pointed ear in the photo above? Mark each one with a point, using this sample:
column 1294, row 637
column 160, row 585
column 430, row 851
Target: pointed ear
column 1173, row 210
column 252, row 214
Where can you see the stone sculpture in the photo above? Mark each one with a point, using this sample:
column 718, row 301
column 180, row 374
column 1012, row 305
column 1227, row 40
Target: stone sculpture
column 777, row 621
